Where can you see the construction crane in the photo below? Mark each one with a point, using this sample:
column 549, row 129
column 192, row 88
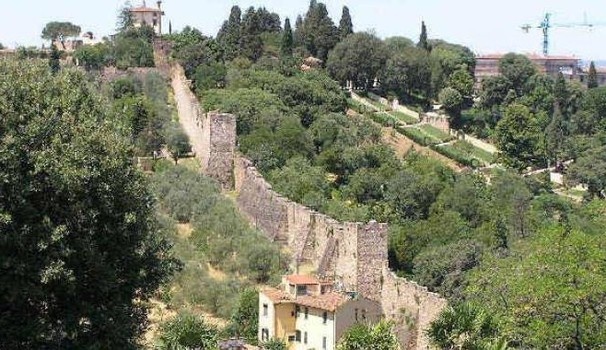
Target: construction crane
column 546, row 24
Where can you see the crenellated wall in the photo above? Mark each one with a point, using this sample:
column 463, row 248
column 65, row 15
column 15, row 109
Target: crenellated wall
column 353, row 253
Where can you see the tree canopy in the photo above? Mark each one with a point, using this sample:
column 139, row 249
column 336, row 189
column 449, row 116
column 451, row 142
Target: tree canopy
column 81, row 248
column 59, row 30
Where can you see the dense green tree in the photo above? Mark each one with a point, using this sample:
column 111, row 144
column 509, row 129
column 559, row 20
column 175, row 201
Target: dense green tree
column 133, row 48
column 345, row 24
column 555, row 134
column 442, row 269
column 80, row 247
column 494, row 91
column 210, row 76
column 462, row 81
column 408, row 73
column 245, row 319
column 517, row 68
column 229, row 34
column 187, row 331
column 93, row 57
column 445, row 59
column 177, row 142
column 466, row 326
column 301, row 182
column 58, row 31
column 518, row 136
column 299, row 32
column 423, row 44
column 452, row 100
column 286, row 48
column 559, row 265
column 590, row 170
column 318, row 32
column 192, row 49
column 358, row 58
column 274, row 344
column 250, row 43
column 54, row 60
column 592, row 77
column 377, row 337
column 397, row 44
column 125, row 17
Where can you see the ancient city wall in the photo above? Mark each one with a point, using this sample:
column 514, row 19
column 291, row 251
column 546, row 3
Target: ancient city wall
column 212, row 135
column 353, row 253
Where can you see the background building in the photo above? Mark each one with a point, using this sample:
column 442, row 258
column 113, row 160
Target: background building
column 308, row 313
column 144, row 15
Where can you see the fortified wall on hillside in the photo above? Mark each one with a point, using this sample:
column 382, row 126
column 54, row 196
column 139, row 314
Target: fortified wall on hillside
column 353, row 253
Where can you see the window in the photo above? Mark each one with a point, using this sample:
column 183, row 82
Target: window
column 301, row 290
column 306, row 312
column 324, row 343
column 324, row 317
column 291, row 338
column 264, row 334
column 356, row 314
column 265, row 308
column 297, row 310
column 298, row 336
column 305, row 338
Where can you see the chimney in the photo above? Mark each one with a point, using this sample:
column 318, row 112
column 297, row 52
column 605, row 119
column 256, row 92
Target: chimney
column 159, row 5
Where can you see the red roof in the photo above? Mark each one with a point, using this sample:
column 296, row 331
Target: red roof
column 534, row 56
column 301, row 279
column 144, row 9
column 329, row 301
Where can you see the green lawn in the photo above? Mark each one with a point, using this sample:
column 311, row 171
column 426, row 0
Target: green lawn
column 408, row 119
column 474, row 151
column 419, row 136
column 436, row 133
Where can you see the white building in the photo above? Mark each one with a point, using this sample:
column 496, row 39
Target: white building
column 309, row 314
column 144, row 15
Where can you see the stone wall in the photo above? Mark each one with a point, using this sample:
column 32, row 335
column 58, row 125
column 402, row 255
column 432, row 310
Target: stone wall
column 438, row 121
column 353, row 253
column 212, row 135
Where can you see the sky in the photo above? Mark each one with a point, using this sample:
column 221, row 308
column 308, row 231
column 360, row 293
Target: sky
column 485, row 26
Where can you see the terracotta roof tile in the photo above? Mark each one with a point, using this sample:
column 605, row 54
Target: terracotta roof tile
column 329, row 301
column 144, row 9
column 276, row 295
column 302, row 279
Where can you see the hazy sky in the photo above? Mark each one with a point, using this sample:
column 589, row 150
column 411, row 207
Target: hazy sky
column 485, row 26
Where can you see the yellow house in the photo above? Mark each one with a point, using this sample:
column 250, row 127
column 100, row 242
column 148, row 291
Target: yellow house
column 311, row 314
column 152, row 17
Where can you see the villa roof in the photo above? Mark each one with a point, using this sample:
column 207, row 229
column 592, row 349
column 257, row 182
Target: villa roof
column 144, row 9
column 302, row 279
column 329, row 301
column 530, row 56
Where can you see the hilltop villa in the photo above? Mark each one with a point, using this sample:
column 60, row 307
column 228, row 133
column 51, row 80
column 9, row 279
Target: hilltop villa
column 144, row 15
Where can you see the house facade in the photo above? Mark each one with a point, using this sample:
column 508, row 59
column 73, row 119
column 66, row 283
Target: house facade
column 149, row 16
column 488, row 65
column 307, row 313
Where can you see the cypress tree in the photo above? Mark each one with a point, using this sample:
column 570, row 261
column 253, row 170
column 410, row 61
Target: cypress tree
column 560, row 92
column 345, row 25
column 53, row 61
column 319, row 34
column 287, row 39
column 592, row 77
column 298, row 37
column 229, row 34
column 423, row 44
column 251, row 44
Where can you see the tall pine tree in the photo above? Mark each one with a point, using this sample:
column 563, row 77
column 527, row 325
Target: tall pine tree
column 298, row 37
column 287, row 40
column 229, row 34
column 345, row 25
column 54, row 59
column 319, row 33
column 423, row 43
column 592, row 77
column 251, row 44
